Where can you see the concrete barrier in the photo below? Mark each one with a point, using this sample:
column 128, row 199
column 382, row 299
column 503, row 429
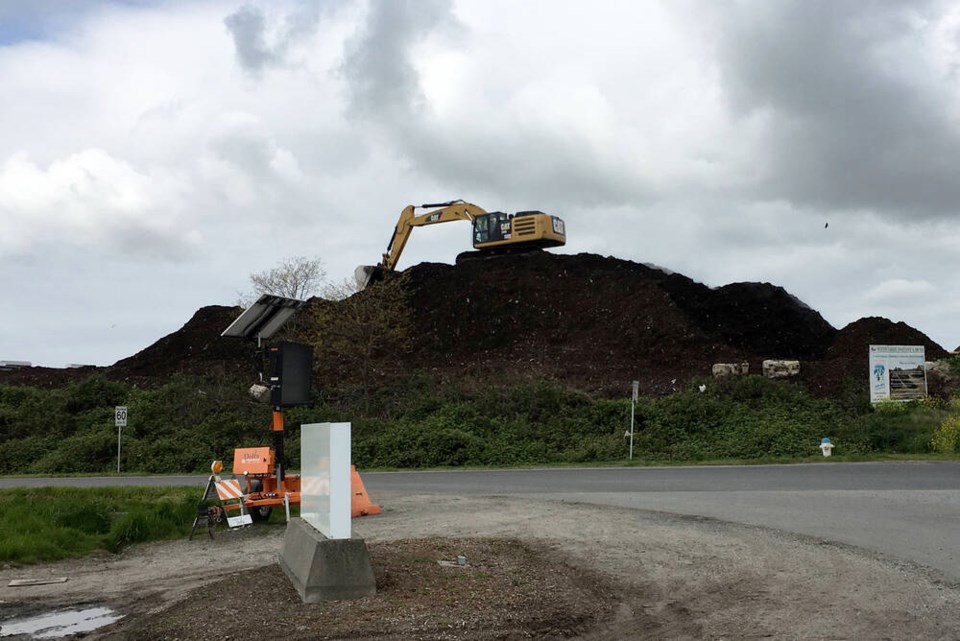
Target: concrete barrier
column 730, row 369
column 781, row 369
column 323, row 569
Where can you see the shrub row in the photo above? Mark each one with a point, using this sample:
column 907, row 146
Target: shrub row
column 185, row 424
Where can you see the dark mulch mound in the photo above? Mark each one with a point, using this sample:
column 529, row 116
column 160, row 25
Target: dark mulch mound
column 196, row 348
column 588, row 321
column 847, row 361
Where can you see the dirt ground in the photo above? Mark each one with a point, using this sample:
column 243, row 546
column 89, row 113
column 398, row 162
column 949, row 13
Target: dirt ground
column 534, row 570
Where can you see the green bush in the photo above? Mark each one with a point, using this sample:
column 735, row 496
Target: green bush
column 95, row 392
column 84, row 452
column 946, row 438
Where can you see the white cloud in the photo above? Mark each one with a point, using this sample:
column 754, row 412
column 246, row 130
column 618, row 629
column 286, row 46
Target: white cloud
column 88, row 199
column 900, row 292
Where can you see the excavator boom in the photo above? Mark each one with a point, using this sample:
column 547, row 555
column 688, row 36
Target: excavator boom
column 449, row 211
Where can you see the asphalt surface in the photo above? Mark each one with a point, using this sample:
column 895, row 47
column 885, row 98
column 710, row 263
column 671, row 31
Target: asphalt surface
column 906, row 510
column 909, row 511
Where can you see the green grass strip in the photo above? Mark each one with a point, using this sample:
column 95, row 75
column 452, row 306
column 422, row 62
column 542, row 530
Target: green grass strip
column 52, row 523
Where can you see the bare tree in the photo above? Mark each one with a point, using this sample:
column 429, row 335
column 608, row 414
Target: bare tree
column 341, row 290
column 297, row 277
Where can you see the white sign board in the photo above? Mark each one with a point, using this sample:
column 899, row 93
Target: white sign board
column 897, row 373
column 325, row 490
column 120, row 415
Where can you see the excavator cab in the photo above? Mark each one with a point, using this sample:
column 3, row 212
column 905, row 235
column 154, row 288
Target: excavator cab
column 491, row 227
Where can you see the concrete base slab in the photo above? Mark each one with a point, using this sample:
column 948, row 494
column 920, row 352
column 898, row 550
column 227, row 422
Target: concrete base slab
column 323, row 569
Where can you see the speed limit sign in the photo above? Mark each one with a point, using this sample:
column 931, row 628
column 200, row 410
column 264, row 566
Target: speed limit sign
column 120, row 414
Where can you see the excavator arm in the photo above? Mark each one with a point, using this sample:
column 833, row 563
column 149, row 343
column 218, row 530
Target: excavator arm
column 440, row 213
column 449, row 211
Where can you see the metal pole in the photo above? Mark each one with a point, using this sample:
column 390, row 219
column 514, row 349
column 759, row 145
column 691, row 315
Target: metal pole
column 118, row 448
column 633, row 406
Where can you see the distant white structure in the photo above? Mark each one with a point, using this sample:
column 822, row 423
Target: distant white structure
column 7, row 366
column 781, row 369
column 730, row 369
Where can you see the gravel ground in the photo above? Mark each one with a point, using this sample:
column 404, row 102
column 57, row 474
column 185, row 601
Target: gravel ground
column 536, row 570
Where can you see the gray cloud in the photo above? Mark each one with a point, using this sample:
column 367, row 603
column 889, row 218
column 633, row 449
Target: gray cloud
column 839, row 102
column 493, row 153
column 248, row 150
column 377, row 66
column 854, row 117
column 248, row 27
column 256, row 47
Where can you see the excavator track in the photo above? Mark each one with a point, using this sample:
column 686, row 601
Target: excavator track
column 486, row 254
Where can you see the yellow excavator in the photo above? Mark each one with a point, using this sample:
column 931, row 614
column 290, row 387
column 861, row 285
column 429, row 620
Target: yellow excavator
column 494, row 231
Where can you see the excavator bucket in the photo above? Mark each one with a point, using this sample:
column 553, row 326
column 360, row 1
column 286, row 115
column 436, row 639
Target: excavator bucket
column 367, row 275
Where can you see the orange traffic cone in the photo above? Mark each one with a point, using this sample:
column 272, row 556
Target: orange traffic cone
column 360, row 504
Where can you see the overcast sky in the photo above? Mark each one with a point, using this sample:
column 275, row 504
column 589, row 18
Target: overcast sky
column 155, row 154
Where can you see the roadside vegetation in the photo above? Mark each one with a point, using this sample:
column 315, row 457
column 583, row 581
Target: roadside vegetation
column 49, row 524
column 182, row 426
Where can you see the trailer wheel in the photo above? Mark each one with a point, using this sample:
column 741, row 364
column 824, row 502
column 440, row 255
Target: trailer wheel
column 260, row 513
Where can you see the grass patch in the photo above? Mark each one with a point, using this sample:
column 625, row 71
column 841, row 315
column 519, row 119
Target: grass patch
column 48, row 524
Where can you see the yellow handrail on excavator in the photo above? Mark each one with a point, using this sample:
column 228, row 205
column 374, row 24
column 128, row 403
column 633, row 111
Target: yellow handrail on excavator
column 491, row 231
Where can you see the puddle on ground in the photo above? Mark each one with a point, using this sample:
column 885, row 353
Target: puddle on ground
column 60, row 624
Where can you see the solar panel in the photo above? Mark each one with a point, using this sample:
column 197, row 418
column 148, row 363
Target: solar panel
column 264, row 318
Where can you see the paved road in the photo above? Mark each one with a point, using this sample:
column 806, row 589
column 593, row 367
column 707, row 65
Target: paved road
column 906, row 510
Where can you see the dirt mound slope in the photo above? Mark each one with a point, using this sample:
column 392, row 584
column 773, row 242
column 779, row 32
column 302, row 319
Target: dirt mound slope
column 196, row 348
column 760, row 318
column 600, row 322
column 874, row 330
column 580, row 318
column 847, row 360
column 584, row 320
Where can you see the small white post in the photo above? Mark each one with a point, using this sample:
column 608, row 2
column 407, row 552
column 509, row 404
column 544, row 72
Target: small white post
column 826, row 446
column 633, row 408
